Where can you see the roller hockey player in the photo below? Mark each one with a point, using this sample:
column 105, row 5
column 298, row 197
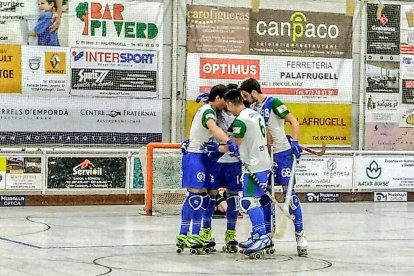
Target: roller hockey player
column 195, row 171
column 249, row 133
column 275, row 114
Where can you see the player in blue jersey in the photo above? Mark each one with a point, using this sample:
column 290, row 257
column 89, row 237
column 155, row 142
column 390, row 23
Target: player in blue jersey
column 275, row 114
column 195, row 166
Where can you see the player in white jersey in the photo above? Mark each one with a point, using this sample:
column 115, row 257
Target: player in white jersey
column 225, row 172
column 249, row 132
column 195, row 169
column 275, row 114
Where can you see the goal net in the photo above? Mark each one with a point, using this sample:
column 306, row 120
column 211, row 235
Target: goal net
column 163, row 192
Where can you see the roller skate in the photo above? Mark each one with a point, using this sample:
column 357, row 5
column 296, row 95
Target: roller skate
column 183, row 241
column 302, row 244
column 231, row 243
column 246, row 244
column 207, row 246
column 208, row 239
column 259, row 247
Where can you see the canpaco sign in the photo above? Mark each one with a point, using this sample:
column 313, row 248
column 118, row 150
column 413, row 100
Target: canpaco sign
column 228, row 68
column 300, row 33
column 10, row 201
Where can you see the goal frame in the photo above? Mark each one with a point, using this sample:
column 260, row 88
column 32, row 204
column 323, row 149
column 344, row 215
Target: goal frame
column 149, row 169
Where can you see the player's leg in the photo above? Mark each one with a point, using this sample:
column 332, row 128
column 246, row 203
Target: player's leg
column 250, row 203
column 196, row 200
column 214, row 171
column 232, row 183
column 284, row 164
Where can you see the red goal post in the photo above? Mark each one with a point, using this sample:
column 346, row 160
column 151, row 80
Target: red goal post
column 163, row 178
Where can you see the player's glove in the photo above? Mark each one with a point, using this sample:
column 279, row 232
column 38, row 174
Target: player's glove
column 212, row 150
column 295, row 147
column 233, row 148
column 202, row 98
column 184, row 146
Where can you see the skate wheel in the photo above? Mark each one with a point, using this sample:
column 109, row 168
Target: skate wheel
column 193, row 251
column 241, row 251
column 302, row 253
column 180, row 250
column 224, row 248
column 207, row 250
column 271, row 251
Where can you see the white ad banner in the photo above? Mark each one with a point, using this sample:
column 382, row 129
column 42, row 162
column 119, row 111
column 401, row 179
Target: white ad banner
column 127, row 24
column 379, row 173
column 114, row 73
column 45, row 71
column 78, row 114
column 291, row 79
column 324, row 173
column 382, row 107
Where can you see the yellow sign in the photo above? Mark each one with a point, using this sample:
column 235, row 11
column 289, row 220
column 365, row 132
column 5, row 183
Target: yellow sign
column 10, row 69
column 191, row 108
column 55, row 63
column 3, row 164
column 328, row 123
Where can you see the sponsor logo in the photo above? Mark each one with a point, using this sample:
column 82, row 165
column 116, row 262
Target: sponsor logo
column 55, row 63
column 10, row 5
column 390, row 196
column 114, row 57
column 97, row 76
column 201, row 176
column 218, row 68
column 299, row 27
column 87, row 168
column 34, row 63
column 373, row 171
column 116, row 113
column 383, row 20
column 215, row 15
column 99, row 20
column 410, row 119
column 77, row 56
column 331, row 164
column 407, row 60
column 322, row 197
column 33, row 112
column 12, row 201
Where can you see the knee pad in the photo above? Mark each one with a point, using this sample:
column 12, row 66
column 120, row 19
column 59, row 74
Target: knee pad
column 198, row 200
column 294, row 203
column 248, row 203
column 265, row 200
column 233, row 201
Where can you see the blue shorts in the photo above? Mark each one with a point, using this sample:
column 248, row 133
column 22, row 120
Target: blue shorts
column 225, row 175
column 283, row 161
column 250, row 186
column 194, row 167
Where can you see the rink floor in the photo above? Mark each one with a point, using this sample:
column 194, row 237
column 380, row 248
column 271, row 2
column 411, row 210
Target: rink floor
column 344, row 239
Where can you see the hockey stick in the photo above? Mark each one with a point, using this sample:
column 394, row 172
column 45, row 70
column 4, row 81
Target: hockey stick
column 280, row 232
column 314, row 152
column 282, row 209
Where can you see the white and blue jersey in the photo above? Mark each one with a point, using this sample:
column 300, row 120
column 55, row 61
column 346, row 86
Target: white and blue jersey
column 274, row 112
column 226, row 171
column 195, row 163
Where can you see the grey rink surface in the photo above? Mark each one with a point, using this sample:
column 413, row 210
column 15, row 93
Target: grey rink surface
column 344, row 239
